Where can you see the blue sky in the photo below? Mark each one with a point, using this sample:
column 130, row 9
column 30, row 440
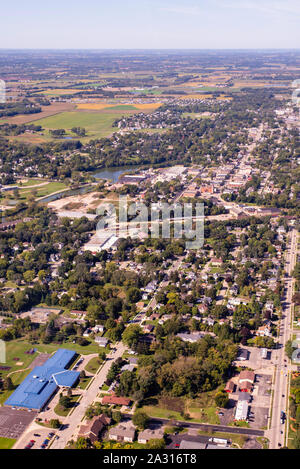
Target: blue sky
column 146, row 24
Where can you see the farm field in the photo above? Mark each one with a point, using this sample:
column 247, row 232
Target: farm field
column 97, row 125
column 47, row 111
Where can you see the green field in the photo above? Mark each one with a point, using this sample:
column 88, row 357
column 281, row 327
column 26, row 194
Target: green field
column 6, row 443
column 97, row 124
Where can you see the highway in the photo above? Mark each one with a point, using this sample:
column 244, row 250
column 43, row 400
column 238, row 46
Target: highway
column 276, row 433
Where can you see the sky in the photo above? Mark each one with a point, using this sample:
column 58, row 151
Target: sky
column 150, row 24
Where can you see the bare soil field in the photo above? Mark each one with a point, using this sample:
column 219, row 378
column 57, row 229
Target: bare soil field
column 47, row 111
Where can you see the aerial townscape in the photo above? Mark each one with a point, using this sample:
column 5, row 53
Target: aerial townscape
column 114, row 335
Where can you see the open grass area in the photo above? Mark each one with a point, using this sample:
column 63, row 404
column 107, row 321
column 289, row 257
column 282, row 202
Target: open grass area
column 17, row 379
column 16, row 358
column 97, row 124
column 7, row 443
column 61, row 411
column 93, row 365
column 84, row 382
column 200, row 410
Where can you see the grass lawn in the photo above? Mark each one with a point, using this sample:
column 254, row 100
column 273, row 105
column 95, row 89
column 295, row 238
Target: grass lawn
column 61, row 411
column 43, row 191
column 97, row 124
column 93, row 365
column 17, row 379
column 15, row 353
column 7, row 443
column 84, row 382
column 82, row 350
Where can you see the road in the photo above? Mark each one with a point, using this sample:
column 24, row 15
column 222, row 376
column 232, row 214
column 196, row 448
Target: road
column 74, row 419
column 205, row 427
column 277, row 430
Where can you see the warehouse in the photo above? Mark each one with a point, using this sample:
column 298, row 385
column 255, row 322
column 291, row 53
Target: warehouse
column 40, row 385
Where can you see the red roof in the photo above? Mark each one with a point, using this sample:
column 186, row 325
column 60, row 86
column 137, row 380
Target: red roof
column 115, row 400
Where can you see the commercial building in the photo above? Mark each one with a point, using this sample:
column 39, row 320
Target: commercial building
column 43, row 381
column 242, row 410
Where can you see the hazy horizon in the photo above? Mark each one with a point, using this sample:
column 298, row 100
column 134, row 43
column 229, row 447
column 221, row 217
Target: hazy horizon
column 155, row 24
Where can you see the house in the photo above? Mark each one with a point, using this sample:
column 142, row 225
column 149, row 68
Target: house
column 209, row 321
column 217, row 262
column 246, row 386
column 264, row 331
column 115, row 400
column 230, row 387
column 247, row 376
column 243, row 355
column 148, row 434
column 101, row 341
column 192, row 337
column 128, row 368
column 87, row 332
column 94, row 427
column 151, row 287
column 148, row 328
column 98, row 328
column 122, row 432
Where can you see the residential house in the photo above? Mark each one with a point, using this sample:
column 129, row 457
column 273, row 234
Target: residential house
column 93, row 428
column 148, row 434
column 122, row 432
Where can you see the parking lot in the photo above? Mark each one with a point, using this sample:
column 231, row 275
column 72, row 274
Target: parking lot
column 14, row 422
column 261, row 401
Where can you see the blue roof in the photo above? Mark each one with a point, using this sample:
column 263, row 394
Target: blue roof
column 43, row 381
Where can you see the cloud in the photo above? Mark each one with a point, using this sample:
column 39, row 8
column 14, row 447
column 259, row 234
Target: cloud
column 184, row 10
column 271, row 7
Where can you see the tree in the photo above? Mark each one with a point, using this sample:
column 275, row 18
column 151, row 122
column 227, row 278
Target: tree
column 131, row 335
column 140, row 420
column 65, row 402
column 8, row 384
column 55, row 423
column 156, row 444
column 133, row 295
column 221, row 399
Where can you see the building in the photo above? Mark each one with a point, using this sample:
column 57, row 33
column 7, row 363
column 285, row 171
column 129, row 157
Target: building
column 94, row 427
column 242, row 410
column 243, row 355
column 230, row 387
column 185, row 444
column 148, row 434
column 122, row 432
column 245, row 396
column 101, row 341
column 43, row 381
column 115, row 400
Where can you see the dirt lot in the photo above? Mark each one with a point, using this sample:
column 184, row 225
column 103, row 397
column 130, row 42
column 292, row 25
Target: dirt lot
column 40, row 360
column 14, row 422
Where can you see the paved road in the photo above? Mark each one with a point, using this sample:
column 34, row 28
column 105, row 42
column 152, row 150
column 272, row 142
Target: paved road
column 74, row 419
column 206, row 427
column 277, row 430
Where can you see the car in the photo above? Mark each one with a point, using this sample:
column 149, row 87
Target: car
column 36, row 434
column 177, row 445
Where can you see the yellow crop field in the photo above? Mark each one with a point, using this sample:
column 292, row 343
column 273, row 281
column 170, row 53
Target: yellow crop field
column 93, row 106
column 103, row 106
column 148, row 106
column 197, row 96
